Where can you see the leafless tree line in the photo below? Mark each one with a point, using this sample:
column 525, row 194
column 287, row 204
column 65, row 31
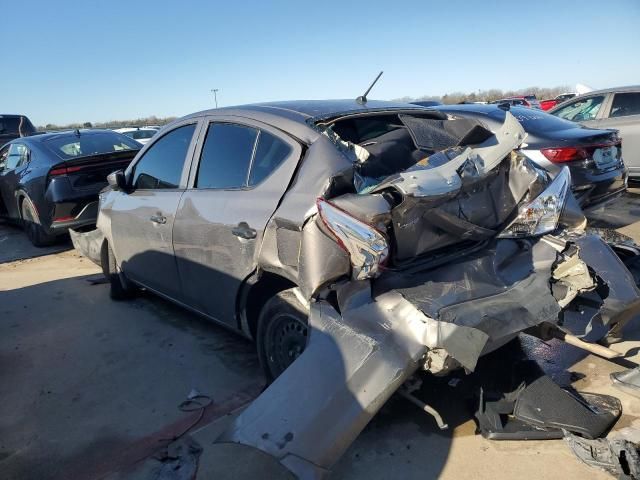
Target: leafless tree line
column 490, row 95
column 138, row 122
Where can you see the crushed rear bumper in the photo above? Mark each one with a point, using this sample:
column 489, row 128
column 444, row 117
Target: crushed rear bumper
column 367, row 343
column 89, row 244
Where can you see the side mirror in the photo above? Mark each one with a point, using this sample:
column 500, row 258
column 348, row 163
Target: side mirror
column 117, row 180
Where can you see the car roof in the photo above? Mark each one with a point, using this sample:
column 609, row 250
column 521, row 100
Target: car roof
column 629, row 88
column 43, row 137
column 306, row 110
column 296, row 117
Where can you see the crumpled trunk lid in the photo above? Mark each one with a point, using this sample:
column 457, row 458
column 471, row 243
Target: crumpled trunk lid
column 459, row 194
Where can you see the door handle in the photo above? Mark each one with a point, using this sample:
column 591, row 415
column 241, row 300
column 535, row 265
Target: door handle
column 243, row 230
column 159, row 219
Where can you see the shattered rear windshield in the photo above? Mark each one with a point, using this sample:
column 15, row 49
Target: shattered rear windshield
column 74, row 146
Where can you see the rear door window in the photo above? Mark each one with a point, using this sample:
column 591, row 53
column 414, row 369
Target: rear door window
column 162, row 164
column 270, row 153
column 238, row 156
column 226, row 156
column 625, row 104
column 582, row 109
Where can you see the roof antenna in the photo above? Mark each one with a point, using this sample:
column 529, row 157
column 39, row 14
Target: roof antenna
column 362, row 99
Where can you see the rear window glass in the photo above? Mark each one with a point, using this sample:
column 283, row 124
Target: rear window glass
column 534, row 120
column 86, row 144
column 141, row 134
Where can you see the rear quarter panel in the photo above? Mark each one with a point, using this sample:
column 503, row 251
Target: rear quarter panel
column 629, row 131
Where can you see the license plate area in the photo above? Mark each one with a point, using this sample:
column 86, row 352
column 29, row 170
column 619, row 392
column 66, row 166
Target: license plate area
column 606, row 157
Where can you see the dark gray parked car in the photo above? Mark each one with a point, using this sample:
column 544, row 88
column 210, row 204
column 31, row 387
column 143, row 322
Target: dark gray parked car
column 594, row 156
column 364, row 241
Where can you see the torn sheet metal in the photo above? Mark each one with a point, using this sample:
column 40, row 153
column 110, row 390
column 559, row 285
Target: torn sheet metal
column 622, row 301
column 500, row 290
column 571, row 276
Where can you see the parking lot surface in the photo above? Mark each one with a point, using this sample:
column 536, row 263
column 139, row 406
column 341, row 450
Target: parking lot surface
column 91, row 388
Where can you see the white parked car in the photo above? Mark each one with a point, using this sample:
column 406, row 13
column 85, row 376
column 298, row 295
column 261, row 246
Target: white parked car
column 140, row 134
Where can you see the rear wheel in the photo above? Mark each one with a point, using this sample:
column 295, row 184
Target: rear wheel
column 282, row 334
column 32, row 226
column 120, row 289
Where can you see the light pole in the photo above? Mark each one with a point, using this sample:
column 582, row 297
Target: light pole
column 215, row 95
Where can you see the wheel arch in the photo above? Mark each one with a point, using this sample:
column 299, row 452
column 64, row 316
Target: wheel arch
column 21, row 196
column 254, row 293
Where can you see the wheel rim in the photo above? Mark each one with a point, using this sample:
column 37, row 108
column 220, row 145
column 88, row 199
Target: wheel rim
column 286, row 340
column 27, row 215
column 28, row 219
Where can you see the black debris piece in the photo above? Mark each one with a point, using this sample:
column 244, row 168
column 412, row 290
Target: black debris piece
column 434, row 135
column 539, row 409
column 619, row 457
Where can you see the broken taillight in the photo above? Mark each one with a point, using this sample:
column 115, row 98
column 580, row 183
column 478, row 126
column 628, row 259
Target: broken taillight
column 542, row 214
column 368, row 248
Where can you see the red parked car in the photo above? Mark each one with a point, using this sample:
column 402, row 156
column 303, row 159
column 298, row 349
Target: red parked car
column 549, row 104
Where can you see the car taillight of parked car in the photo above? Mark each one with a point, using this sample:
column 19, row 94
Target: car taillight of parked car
column 571, row 154
column 56, row 172
column 368, row 248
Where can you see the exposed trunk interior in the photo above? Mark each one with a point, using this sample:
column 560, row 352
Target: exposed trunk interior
column 422, row 179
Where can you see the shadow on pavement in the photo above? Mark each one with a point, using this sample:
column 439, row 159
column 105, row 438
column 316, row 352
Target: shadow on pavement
column 14, row 244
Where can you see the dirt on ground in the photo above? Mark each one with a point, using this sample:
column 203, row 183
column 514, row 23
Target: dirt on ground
column 91, row 388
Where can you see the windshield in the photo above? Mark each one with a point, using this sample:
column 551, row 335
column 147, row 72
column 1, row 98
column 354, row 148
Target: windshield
column 581, row 110
column 86, row 144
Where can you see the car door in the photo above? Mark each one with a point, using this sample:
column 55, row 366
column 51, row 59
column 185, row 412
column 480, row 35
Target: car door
column 623, row 114
column 15, row 161
column 6, row 195
column 142, row 218
column 240, row 173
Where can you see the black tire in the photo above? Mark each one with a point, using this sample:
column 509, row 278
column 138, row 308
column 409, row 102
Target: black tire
column 32, row 226
column 282, row 334
column 120, row 288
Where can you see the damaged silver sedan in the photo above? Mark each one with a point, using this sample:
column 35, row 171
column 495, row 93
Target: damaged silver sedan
column 357, row 244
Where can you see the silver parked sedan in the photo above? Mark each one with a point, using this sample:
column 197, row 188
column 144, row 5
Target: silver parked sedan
column 356, row 242
column 615, row 108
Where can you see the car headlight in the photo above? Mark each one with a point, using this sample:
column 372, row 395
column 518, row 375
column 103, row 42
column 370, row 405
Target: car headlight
column 542, row 214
